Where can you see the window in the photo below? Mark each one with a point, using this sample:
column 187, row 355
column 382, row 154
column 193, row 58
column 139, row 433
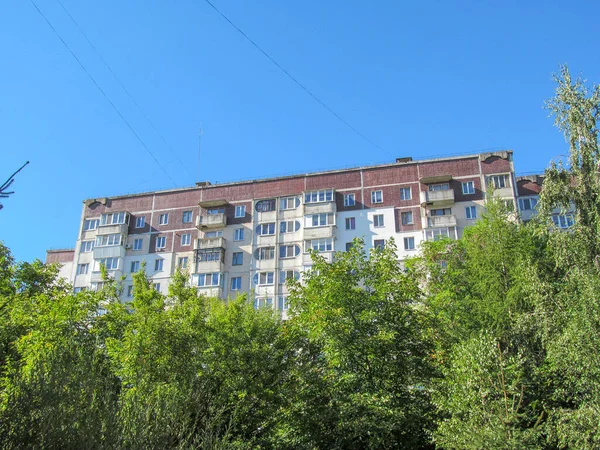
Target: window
column 435, row 234
column 527, row 203
column 377, row 197
column 499, row 181
column 135, row 266
column 161, row 242
column 289, row 203
column 113, row 218
column 379, row 243
column 319, row 245
column 240, row 211
column 405, row 193
column 108, row 240
column 109, row 263
column 441, row 212
column 471, row 212
column 90, row 224
column 156, row 286
column 238, row 234
column 264, row 278
column 130, row 290
column 186, row 239
column 285, row 275
column 265, row 205
column 406, row 218
column 209, row 255
column 158, row 264
column 348, row 246
column 468, row 187
column 236, row 283
column 82, row 269
column 137, row 244
column 438, row 187
column 282, row 304
column 238, row 259
column 209, row 279
column 182, row 262
column 288, row 251
column 76, row 290
column 260, row 303
column 350, row 223
column 324, row 195
column 187, row 217
column 378, row 220
column 215, row 211
column 163, row 219
column 563, row 220
column 319, row 220
column 409, row 243
column 86, row 246
column 265, row 229
column 289, row 227
column 349, row 200
column 213, row 234
column 140, row 222
column 264, row 253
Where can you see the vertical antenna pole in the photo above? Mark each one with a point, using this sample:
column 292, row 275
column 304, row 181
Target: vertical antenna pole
column 199, row 145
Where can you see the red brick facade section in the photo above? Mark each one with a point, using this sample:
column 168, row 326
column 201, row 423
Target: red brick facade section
column 59, row 256
column 416, row 225
column 183, row 199
column 454, row 167
column 345, row 180
column 175, row 219
column 528, row 187
column 230, row 213
column 136, row 203
column 177, row 247
column 339, row 200
column 132, row 221
column 495, row 164
column 390, row 175
column 167, row 247
column 456, row 185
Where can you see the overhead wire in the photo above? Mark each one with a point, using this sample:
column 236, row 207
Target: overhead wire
column 105, row 95
column 112, row 72
column 295, row 80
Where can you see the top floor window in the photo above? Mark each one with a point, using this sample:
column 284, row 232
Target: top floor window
column 265, row 205
column 289, row 203
column 349, row 200
column 240, row 211
column 438, row 187
column 113, row 218
column 498, row 181
column 377, row 197
column 468, row 187
column 324, row 195
column 90, row 224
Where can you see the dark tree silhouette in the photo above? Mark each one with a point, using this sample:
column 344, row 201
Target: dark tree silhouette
column 4, row 193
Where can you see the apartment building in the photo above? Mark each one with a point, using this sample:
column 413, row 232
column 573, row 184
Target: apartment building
column 251, row 236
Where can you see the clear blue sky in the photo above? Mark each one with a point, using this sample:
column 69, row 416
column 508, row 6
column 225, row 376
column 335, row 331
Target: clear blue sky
column 418, row 78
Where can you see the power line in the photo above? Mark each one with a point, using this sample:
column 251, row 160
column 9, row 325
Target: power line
column 291, row 77
column 102, row 92
column 154, row 127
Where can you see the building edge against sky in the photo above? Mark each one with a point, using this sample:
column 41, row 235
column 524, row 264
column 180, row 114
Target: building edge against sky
column 250, row 236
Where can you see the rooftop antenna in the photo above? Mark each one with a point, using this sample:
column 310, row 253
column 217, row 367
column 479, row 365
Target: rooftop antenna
column 3, row 188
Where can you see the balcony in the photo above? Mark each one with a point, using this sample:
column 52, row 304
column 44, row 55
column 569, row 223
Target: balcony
column 210, row 291
column 113, row 251
column 318, row 232
column 320, row 208
column 206, row 243
column 437, row 198
column 441, row 221
column 210, row 266
column 122, row 228
column 96, row 275
column 211, row 221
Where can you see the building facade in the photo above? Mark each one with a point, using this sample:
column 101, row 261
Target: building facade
column 251, row 236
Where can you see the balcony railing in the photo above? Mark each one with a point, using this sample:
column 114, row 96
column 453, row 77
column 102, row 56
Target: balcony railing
column 212, row 221
column 441, row 221
column 437, row 198
column 122, row 228
column 216, row 242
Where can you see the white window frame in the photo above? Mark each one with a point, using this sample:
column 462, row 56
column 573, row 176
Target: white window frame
column 236, row 283
column 182, row 262
column 287, row 228
column 135, row 244
column 284, row 203
column 319, row 220
column 379, row 243
column 186, row 239
column 563, row 221
column 90, row 224
column 156, row 287
column 140, row 221
column 376, row 197
column 234, row 261
column 109, row 263
column 350, row 223
column 282, row 303
column 495, row 181
column 409, row 243
column 407, row 214
column 288, row 253
column 319, row 245
column 238, row 234
column 161, row 242
column 109, row 240
column 240, row 211
column 438, row 187
column 86, row 246
column 471, row 212
column 187, row 214
column 265, row 253
column 261, row 227
column 378, row 220
column 134, row 266
column 349, row 200
column 468, row 187
column 405, row 193
column 532, row 203
column 435, row 234
column 82, row 269
column 320, row 196
column 158, row 264
column 264, row 277
column 163, row 219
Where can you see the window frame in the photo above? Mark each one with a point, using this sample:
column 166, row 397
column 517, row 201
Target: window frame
column 376, row 197
column 468, row 187
column 135, row 241
column 319, row 196
column 403, row 191
column 140, row 222
column 238, row 234
column 163, row 219
column 185, row 215
column 378, row 220
column 236, row 283
column 409, row 239
column 471, row 212
column 349, row 200
column 186, row 241
column 407, row 218
column 235, row 256
column 240, row 211
column 350, row 223
column 160, row 239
